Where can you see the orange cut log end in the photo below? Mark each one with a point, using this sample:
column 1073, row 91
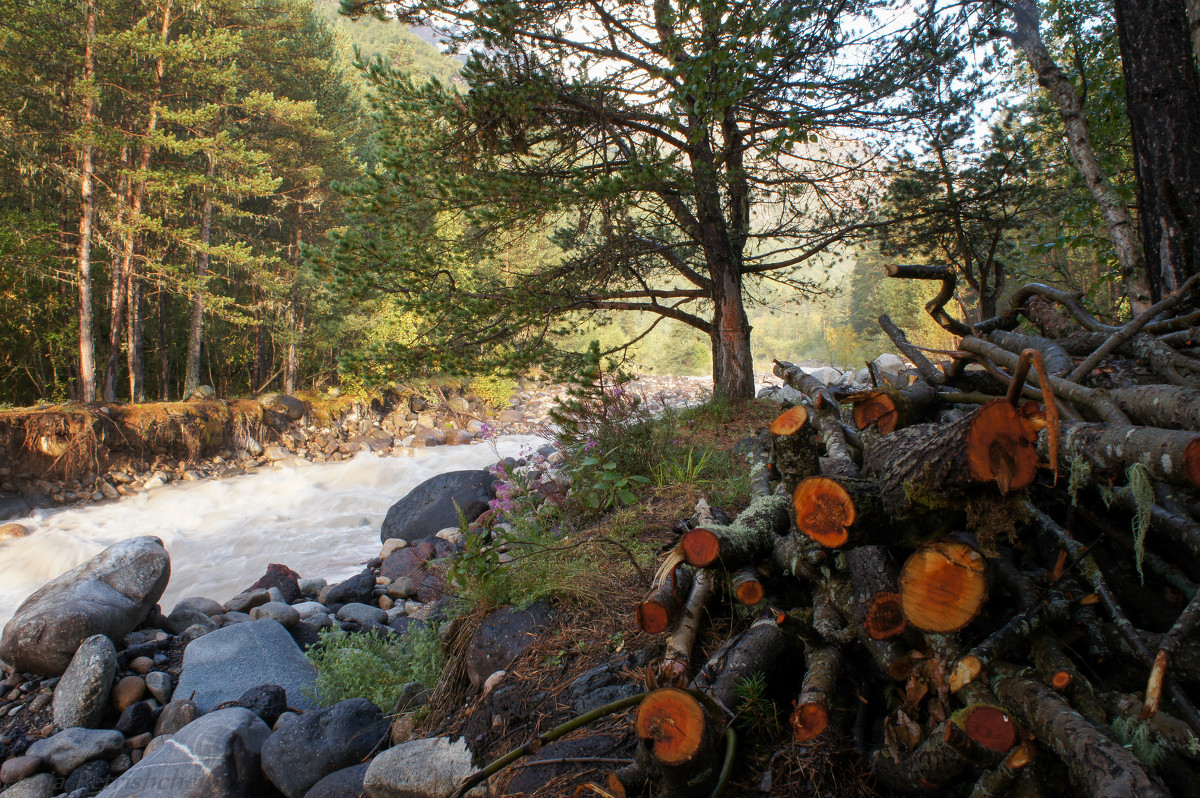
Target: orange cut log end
column 885, row 617
column 1000, row 447
column 749, row 592
column 1192, row 456
column 877, row 408
column 652, row 617
column 1022, row 755
column 991, row 727
column 701, row 547
column 674, row 722
column 824, row 511
column 1060, row 680
column 808, row 721
column 942, row 586
column 790, row 420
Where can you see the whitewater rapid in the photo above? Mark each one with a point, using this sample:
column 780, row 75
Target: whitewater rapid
column 321, row 520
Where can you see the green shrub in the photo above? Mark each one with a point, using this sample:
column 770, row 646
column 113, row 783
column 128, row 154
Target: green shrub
column 493, row 389
column 366, row 665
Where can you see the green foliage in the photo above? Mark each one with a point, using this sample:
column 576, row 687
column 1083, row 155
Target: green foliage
column 757, row 714
column 365, row 665
column 688, row 470
column 601, row 486
column 493, row 389
column 1140, row 485
column 1139, row 737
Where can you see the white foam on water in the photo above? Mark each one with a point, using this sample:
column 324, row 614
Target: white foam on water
column 321, row 521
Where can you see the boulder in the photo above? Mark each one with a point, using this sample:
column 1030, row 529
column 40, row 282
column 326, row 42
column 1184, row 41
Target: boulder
column 81, row 695
column 276, row 610
column 282, row 577
column 311, row 746
column 224, row 664
column 887, row 363
column 362, row 614
column 290, row 406
column 825, row 374
column 436, row 503
column 13, row 531
column 185, row 615
column 248, row 600
column 409, row 562
column 344, row 783
column 205, row 605
column 43, row 785
column 70, row 748
column 358, row 588
column 501, row 638
column 432, row 767
column 217, row 756
column 109, row 594
column 19, row 767
column 13, row 506
column 268, row 701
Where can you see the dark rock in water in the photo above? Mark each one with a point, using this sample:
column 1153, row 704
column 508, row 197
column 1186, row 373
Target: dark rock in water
column 435, row 504
column 109, row 594
column 305, row 634
column 282, row 577
column 501, row 637
column 136, row 719
column 224, row 664
column 358, row 588
column 13, row 506
column 216, row 756
column 268, row 701
column 561, row 755
column 345, row 783
column 89, row 777
column 81, row 695
column 311, row 746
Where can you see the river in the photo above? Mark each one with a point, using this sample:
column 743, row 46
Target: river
column 322, row 521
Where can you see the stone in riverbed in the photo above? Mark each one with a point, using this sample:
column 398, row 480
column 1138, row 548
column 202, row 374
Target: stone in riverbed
column 70, row 748
column 345, row 783
column 81, row 695
column 435, row 504
column 362, row 614
column 127, row 692
column 313, row 745
column 244, row 602
column 224, row 664
column 185, row 615
column 19, row 767
column 282, row 577
column 40, row 786
column 109, row 594
column 89, row 777
column 159, row 685
column 268, row 701
column 278, row 611
column 175, row 716
column 358, row 588
column 432, row 766
column 217, row 756
column 13, row 531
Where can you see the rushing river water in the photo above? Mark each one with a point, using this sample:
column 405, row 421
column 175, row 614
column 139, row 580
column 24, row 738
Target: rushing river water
column 321, row 521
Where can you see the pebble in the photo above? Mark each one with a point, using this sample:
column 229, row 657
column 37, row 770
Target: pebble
column 141, row 665
column 127, row 692
column 386, row 603
column 160, row 686
column 19, row 767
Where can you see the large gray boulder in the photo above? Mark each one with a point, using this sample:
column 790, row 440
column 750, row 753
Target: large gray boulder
column 82, row 694
column 435, row 504
column 433, row 767
column 216, row 756
column 70, row 748
column 223, row 665
column 109, row 595
column 311, row 746
column 502, row 637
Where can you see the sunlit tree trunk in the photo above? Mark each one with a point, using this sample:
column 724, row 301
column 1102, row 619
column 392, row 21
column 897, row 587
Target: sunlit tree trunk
column 295, row 311
column 191, row 379
column 83, row 252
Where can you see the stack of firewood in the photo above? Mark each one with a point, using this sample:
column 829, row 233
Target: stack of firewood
column 983, row 573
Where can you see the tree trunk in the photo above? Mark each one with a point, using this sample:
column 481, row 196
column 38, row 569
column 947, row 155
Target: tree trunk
column 1171, row 456
column 164, row 352
column 733, row 365
column 191, row 379
column 1028, row 38
column 135, row 337
column 1163, row 103
column 810, row 717
column 83, row 252
column 118, row 295
column 295, row 312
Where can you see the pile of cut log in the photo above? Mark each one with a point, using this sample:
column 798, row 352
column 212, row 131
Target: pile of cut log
column 983, row 573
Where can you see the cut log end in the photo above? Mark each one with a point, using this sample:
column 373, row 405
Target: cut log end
column 789, row 421
column 747, row 588
column 673, row 721
column 942, row 586
column 1060, row 680
column 966, row 670
column 991, row 727
column 809, row 721
column 1000, row 447
column 652, row 617
column 824, row 511
column 878, row 408
column 701, row 547
column 884, row 618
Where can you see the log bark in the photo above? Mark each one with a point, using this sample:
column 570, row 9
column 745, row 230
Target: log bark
column 748, row 539
column 661, row 609
column 890, row 409
column 1164, row 406
column 1170, row 455
column 1018, row 629
column 1096, row 763
column 1058, row 360
column 755, row 652
column 876, row 596
column 828, row 422
column 798, row 555
column 942, row 586
column 925, row 465
column 677, row 659
column 996, row 782
column 835, row 512
column 945, row 754
column 929, row 372
column 794, row 447
column 810, row 717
